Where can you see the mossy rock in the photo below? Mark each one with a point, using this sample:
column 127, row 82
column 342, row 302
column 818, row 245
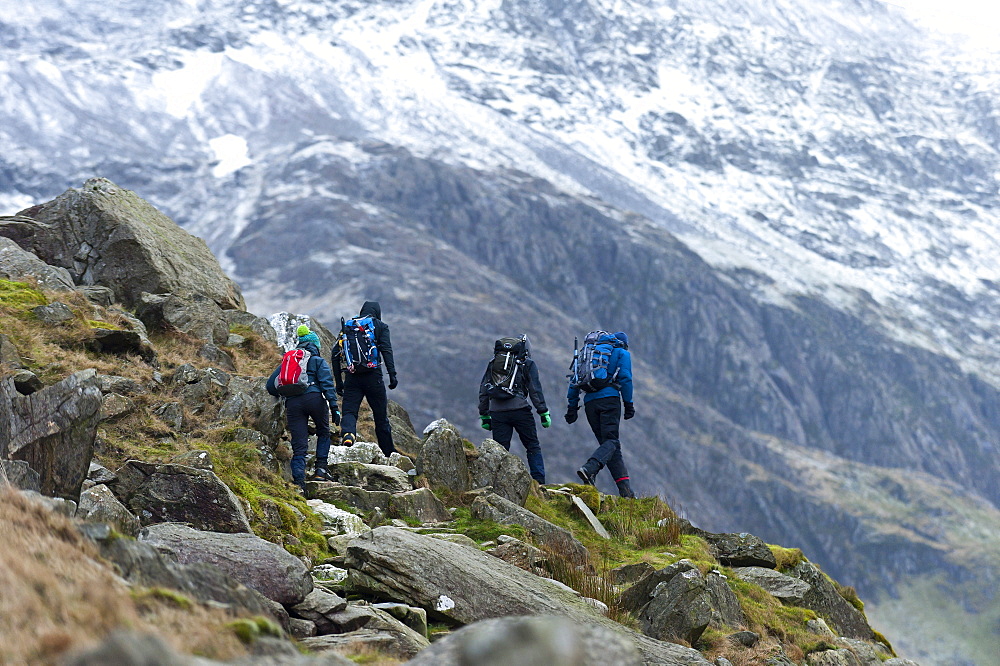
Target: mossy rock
column 248, row 630
column 19, row 297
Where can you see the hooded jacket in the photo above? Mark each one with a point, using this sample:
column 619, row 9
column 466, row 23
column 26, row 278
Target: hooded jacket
column 532, row 388
column 320, row 379
column 620, row 363
column 382, row 343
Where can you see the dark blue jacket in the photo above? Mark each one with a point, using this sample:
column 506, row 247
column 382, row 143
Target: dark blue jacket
column 620, row 362
column 320, row 377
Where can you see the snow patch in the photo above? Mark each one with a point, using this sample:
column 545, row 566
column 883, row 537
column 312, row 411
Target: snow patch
column 232, row 153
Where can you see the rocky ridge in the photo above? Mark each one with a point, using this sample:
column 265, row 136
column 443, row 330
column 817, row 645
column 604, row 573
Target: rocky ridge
column 396, row 554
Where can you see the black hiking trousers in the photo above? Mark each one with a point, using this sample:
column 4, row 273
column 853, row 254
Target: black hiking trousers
column 368, row 386
column 504, row 423
column 604, row 416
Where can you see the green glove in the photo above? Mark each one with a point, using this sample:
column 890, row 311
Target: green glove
column 546, row 419
column 485, row 422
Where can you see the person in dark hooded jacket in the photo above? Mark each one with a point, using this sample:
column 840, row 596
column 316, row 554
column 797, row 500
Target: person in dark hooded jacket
column 365, row 384
column 319, row 401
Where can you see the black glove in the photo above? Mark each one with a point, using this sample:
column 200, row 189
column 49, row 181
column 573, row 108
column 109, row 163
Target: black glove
column 629, row 410
column 571, row 414
column 340, row 390
column 392, row 382
column 334, row 413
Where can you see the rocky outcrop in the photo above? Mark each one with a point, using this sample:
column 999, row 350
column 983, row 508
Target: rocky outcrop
column 19, row 265
column 490, row 506
column 680, row 609
column 384, row 478
column 442, row 458
column 420, row 504
column 788, row 589
column 823, row 598
column 99, row 505
column 52, row 430
column 196, row 315
column 177, row 493
column 105, row 235
column 256, row 563
column 20, row 475
column 503, row 471
column 740, row 550
column 543, row 640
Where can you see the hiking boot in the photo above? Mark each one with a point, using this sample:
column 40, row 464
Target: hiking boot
column 301, row 485
column 321, row 473
column 585, row 476
column 347, row 439
column 625, row 489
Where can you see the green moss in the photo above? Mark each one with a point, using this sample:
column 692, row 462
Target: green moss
column 146, row 594
column 249, row 630
column 240, row 329
column 102, row 324
column 19, row 297
column 850, row 595
column 484, row 530
column 787, row 558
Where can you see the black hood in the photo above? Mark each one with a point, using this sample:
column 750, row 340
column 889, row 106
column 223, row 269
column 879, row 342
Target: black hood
column 371, row 308
column 309, row 347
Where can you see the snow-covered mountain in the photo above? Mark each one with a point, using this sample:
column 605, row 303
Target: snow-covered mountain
column 790, row 205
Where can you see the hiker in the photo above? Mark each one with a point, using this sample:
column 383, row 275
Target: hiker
column 304, row 380
column 511, row 378
column 604, row 373
column 362, row 349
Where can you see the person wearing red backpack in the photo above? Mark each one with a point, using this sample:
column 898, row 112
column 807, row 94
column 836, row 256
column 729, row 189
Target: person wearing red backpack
column 304, row 380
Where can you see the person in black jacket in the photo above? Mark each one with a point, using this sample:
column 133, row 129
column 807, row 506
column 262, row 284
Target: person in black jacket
column 503, row 414
column 367, row 384
column 319, row 401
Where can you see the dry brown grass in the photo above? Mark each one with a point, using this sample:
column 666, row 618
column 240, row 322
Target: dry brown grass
column 57, row 595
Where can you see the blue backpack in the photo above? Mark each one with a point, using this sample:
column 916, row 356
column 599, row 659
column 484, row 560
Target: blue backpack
column 357, row 339
column 590, row 367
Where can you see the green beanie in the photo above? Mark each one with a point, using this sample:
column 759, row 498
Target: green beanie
column 303, row 330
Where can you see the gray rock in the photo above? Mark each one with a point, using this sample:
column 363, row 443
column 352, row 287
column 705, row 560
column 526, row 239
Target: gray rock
column 414, row 618
column 442, row 459
column 99, row 505
column 819, row 626
column 197, row 459
column 115, row 406
column 105, row 235
column 317, row 606
column 362, row 617
column 130, row 648
column 193, row 314
column 177, row 493
column 256, row 563
column 726, row 610
column 285, row 324
column 53, row 314
column 9, row 356
column 18, row 265
column 120, row 385
column 681, row 608
column 588, row 515
column 531, row 641
column 502, row 470
column 459, row 539
column 172, row 415
column 640, row 594
column 630, row 573
column 360, row 641
column 102, row 296
column 258, row 325
column 98, row 473
column 26, row 382
column 53, row 430
column 740, row 550
column 63, row 507
column 786, row 588
column 247, row 402
column 420, row 504
column 219, row 358
column 822, row 597
column 867, row 654
column 20, row 475
column 520, row 554
column 745, row 638
column 493, row 507
column 404, row 436
column 898, row 661
column 363, row 500
column 832, row 658
column 369, row 477
column 122, row 342
column 465, row 585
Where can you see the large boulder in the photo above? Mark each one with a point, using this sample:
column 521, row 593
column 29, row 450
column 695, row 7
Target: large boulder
column 99, row 505
column 490, row 506
column 104, row 235
column 442, row 458
column 531, row 641
column 258, row 564
column 823, row 598
column 740, row 550
column 681, row 608
column 726, row 609
column 404, row 436
column 363, row 500
column 194, row 314
column 788, row 589
column 248, row 320
column 420, row 504
column 506, row 473
column 640, row 594
column 52, row 430
column 18, row 265
column 247, row 401
column 317, row 607
column 407, row 642
column 178, row 493
column 20, row 475
column 370, row 477
column 464, row 585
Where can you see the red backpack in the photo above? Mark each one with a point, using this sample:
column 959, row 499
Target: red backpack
column 292, row 376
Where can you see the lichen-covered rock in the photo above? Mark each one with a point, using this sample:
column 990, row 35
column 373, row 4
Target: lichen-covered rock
column 363, row 500
column 726, row 610
column 681, row 608
column 823, row 598
column 369, row 477
column 193, row 314
column 317, row 607
column 53, row 430
column 640, row 594
column 788, row 589
column 740, row 550
column 27, row 382
column 337, row 520
column 442, row 459
column 99, row 505
column 178, row 493
column 404, row 436
column 258, row 564
column 420, row 504
column 115, row 406
column 521, row 555
column 10, row 359
column 630, row 573
column 491, row 506
column 109, row 236
column 20, row 475
column 19, row 265
column 505, row 472
column 258, row 325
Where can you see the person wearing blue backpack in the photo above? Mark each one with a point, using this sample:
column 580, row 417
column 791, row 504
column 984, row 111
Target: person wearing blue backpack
column 604, row 373
column 304, row 380
column 361, row 350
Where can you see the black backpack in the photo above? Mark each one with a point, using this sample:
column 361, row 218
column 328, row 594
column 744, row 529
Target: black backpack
column 357, row 341
column 507, row 368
